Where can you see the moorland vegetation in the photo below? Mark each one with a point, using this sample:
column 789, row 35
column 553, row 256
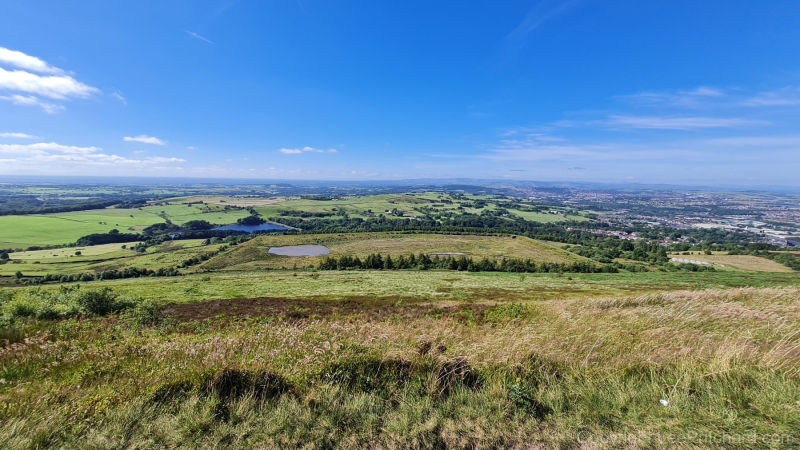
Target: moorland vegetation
column 436, row 321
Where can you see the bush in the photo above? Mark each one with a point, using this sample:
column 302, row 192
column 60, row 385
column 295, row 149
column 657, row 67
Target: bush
column 145, row 313
column 68, row 301
column 101, row 302
column 41, row 304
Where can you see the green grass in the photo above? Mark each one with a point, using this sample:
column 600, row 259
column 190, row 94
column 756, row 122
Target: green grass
column 480, row 371
column 430, row 285
column 65, row 228
column 101, row 257
column 254, row 254
column 544, row 217
column 354, row 206
column 247, row 356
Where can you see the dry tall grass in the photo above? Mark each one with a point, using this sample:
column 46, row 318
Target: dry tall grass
column 679, row 369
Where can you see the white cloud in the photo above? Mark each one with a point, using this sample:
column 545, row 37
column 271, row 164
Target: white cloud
column 18, row 135
column 27, row 62
column 197, row 36
column 58, row 87
column 758, row 141
column 300, row 151
column 44, row 148
column 30, row 100
column 543, row 11
column 783, row 97
column 33, row 78
column 677, row 123
column 700, row 96
column 119, row 97
column 144, row 139
column 56, row 158
column 703, row 91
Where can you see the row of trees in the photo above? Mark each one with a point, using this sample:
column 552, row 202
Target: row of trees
column 113, row 274
column 376, row 261
column 605, row 251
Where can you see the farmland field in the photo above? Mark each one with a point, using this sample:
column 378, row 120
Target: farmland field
column 407, row 205
column 64, row 261
column 242, row 348
column 254, row 254
column 739, row 262
column 64, row 228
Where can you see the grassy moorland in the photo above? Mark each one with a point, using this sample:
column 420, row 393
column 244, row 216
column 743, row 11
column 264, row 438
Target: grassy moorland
column 428, row 285
column 253, row 350
column 255, row 253
column 405, row 360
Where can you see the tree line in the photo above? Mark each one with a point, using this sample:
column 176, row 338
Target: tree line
column 422, row 261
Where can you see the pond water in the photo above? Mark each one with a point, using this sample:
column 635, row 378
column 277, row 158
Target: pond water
column 300, row 250
column 252, row 228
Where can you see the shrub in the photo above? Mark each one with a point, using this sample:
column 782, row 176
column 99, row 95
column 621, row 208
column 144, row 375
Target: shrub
column 145, row 313
column 69, row 301
column 507, row 312
column 101, row 302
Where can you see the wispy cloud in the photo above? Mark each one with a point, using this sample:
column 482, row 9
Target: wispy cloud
column 45, row 147
column 757, row 141
column 678, row 123
column 300, row 151
column 18, row 136
column 690, row 99
column 784, row 97
column 543, row 11
column 53, row 86
column 32, row 78
column 144, row 139
column 44, row 156
column 27, row 62
column 197, row 36
column 30, row 100
column 119, row 97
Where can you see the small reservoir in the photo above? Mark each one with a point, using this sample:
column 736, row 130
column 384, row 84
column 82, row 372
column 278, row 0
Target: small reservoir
column 300, row 250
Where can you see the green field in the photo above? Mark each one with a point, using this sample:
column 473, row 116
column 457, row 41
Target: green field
column 65, row 228
column 748, row 263
column 254, row 254
column 431, row 285
column 407, row 359
column 253, row 350
column 102, row 257
column 410, row 205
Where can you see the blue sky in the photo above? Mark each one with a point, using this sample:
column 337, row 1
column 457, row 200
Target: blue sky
column 577, row 90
